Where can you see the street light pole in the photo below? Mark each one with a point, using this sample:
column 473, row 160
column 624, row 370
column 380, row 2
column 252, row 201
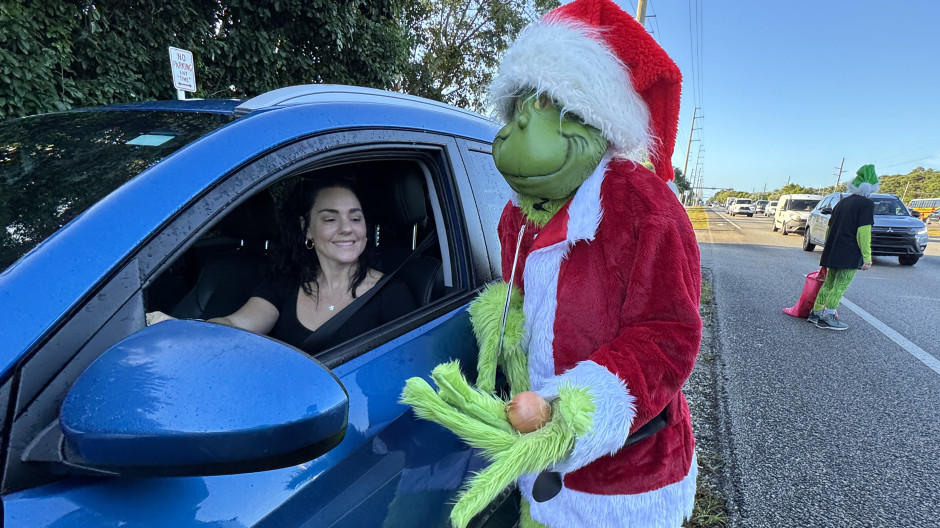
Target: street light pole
column 688, row 146
column 641, row 12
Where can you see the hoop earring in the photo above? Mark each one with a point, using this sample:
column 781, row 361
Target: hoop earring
column 308, row 243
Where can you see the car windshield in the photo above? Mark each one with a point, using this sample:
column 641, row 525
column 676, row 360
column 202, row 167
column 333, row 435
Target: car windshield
column 890, row 206
column 801, row 205
column 54, row 166
column 745, row 202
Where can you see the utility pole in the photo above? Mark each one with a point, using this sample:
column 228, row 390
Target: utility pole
column 641, row 13
column 839, row 176
column 688, row 147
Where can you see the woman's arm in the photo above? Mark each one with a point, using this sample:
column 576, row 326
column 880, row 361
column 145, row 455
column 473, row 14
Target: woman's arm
column 257, row 315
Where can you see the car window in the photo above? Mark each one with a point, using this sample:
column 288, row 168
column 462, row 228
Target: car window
column 54, row 166
column 889, row 206
column 801, row 205
column 226, row 265
column 492, row 193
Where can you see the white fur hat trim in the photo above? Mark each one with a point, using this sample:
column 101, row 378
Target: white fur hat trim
column 568, row 61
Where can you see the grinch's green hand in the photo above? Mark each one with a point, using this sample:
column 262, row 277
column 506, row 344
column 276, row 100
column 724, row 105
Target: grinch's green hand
column 486, row 315
column 479, row 419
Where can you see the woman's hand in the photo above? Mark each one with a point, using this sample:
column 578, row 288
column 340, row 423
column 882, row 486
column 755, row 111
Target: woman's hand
column 866, row 266
column 156, row 317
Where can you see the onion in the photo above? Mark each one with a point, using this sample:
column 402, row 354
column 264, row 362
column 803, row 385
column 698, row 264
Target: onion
column 527, row 411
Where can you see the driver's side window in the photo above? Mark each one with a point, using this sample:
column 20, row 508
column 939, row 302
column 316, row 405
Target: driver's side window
column 243, row 253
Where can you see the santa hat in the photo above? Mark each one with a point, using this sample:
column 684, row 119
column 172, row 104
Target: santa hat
column 598, row 62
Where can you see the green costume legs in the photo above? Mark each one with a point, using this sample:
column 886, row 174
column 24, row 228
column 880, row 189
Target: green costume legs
column 830, row 294
column 526, row 519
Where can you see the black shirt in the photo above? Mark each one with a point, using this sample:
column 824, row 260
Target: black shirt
column 841, row 249
column 390, row 302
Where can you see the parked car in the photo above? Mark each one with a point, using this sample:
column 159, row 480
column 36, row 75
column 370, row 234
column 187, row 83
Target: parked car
column 792, row 212
column 896, row 233
column 760, row 206
column 771, row 208
column 933, row 218
column 113, row 212
column 742, row 206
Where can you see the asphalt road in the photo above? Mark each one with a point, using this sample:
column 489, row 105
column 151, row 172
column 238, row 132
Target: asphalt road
column 823, row 428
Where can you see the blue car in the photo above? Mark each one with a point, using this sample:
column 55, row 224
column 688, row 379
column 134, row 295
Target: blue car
column 109, row 213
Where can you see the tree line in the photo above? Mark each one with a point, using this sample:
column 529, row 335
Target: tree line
column 63, row 54
column 919, row 183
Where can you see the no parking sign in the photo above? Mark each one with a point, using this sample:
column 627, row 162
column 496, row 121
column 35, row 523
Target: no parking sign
column 184, row 72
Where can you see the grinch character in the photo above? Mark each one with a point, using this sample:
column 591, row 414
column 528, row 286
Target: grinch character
column 848, row 247
column 596, row 323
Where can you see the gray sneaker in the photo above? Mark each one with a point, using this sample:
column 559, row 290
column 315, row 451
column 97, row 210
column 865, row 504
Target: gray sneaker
column 813, row 317
column 830, row 322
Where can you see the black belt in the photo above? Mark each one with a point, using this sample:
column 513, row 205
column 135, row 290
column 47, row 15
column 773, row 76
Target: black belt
column 548, row 483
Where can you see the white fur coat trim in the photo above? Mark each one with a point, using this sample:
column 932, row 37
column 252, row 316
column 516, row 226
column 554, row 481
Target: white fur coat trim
column 541, row 276
column 571, row 62
column 614, row 410
column 666, row 507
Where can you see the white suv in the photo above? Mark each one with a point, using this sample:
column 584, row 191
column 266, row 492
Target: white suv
column 742, row 206
column 793, row 210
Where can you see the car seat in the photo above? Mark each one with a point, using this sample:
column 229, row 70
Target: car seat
column 228, row 277
column 394, row 201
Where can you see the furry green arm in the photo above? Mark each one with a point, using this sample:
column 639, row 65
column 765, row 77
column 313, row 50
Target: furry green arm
column 863, row 237
column 486, row 314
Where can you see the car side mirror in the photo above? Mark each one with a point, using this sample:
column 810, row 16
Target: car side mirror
column 195, row 398
column 825, row 210
column 915, row 214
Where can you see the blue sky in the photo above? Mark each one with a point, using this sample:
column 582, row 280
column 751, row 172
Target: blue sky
column 788, row 90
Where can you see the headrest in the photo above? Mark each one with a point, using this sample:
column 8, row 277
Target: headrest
column 254, row 219
column 395, row 195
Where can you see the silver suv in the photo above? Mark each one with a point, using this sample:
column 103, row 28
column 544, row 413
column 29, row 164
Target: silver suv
column 896, row 233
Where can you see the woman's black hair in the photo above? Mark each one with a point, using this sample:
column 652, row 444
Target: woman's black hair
column 291, row 257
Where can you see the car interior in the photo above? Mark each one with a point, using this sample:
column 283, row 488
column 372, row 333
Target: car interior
column 218, row 273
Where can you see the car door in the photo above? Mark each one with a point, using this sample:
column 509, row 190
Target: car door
column 817, row 222
column 390, row 470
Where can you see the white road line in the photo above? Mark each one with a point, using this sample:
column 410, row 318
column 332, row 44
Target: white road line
column 729, row 221
column 911, row 348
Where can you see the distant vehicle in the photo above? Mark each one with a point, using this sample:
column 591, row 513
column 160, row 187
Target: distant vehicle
column 742, row 206
column 760, row 206
column 924, row 207
column 728, row 203
column 771, row 208
column 933, row 219
column 793, row 210
column 896, row 233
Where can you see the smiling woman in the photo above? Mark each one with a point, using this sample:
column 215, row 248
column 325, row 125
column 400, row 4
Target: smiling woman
column 323, row 270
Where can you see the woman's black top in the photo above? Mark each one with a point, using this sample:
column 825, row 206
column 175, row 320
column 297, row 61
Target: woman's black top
column 841, row 249
column 390, row 302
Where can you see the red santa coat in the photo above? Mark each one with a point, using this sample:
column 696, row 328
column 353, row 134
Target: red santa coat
column 611, row 290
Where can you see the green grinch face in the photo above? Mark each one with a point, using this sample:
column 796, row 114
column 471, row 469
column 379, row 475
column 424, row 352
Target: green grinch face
column 543, row 154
